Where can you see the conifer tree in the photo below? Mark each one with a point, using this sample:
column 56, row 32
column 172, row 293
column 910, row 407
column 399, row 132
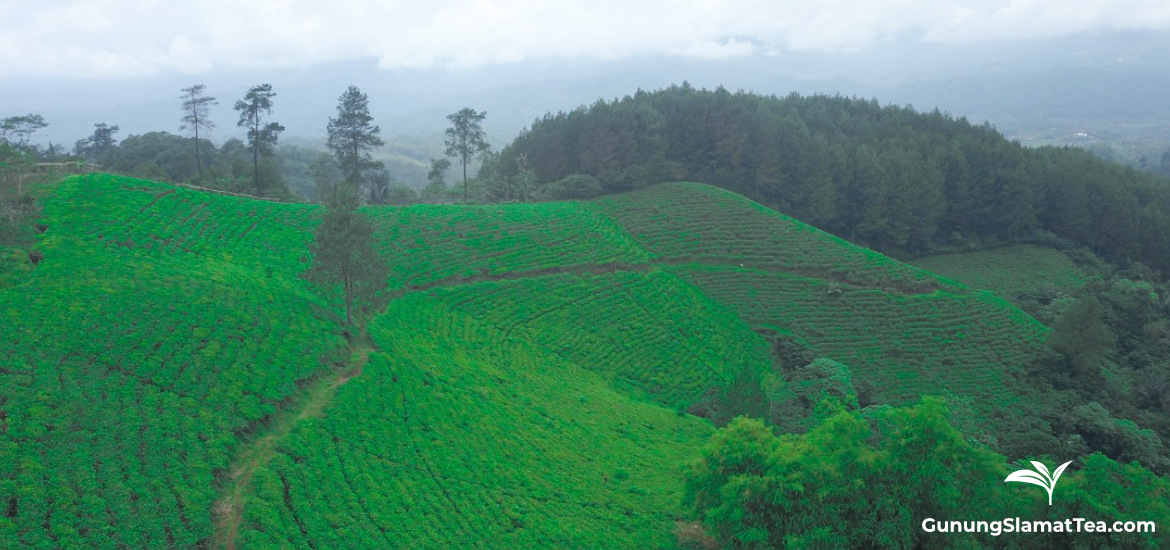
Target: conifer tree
column 196, row 107
column 465, row 138
column 344, row 255
column 262, row 136
column 352, row 137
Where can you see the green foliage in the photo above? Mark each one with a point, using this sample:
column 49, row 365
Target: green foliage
column 1108, row 491
column 97, row 147
column 437, row 168
column 675, row 223
column 432, row 244
column 160, row 155
column 844, row 484
column 297, row 167
column 531, row 380
column 1118, row 438
column 1014, row 272
column 196, row 109
column 649, row 333
column 860, row 480
column 1082, row 338
column 902, row 331
column 792, row 398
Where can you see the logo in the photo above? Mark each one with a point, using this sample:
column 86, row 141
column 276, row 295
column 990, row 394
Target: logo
column 1040, row 477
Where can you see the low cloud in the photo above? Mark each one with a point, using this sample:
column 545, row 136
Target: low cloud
column 118, row 38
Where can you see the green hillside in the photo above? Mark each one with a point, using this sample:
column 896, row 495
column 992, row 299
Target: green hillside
column 528, row 384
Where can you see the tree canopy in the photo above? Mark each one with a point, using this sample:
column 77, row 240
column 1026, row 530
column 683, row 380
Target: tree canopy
column 869, row 480
column 100, row 144
column 22, row 127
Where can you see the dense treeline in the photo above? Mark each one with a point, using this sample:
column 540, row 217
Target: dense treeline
column 896, row 477
column 890, row 177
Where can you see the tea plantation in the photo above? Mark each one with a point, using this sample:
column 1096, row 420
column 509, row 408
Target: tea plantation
column 160, row 326
column 528, row 385
column 460, row 436
column 1009, row 271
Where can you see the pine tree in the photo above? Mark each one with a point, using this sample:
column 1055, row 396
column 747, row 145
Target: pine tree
column 261, row 136
column 352, row 137
column 196, row 107
column 466, row 138
column 344, row 255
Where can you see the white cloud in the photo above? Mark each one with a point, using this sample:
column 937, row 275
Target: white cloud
column 139, row 37
column 719, row 50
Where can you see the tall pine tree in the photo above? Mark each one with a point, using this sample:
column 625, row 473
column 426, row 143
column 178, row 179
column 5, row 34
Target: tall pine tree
column 352, row 136
column 262, row 136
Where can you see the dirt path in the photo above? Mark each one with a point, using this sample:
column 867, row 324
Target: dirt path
column 229, row 509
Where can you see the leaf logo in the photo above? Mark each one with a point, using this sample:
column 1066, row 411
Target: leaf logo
column 1040, row 477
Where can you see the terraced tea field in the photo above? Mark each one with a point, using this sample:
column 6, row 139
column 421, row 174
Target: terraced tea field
column 137, row 353
column 461, row 436
column 900, row 346
column 649, row 332
column 903, row 331
column 1008, row 271
column 433, row 244
column 700, row 224
column 527, row 387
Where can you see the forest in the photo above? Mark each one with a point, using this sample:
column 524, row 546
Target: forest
column 888, row 177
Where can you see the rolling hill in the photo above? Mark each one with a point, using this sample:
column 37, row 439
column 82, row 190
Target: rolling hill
column 172, row 381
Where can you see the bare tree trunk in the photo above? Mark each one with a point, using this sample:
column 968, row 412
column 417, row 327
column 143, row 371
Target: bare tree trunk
column 198, row 163
column 256, row 154
column 348, row 287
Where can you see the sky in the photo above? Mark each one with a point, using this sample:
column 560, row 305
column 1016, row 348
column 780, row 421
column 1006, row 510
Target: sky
column 110, row 39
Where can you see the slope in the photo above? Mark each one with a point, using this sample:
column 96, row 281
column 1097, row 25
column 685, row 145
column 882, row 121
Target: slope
column 160, row 327
column 459, row 436
column 903, row 331
column 1010, row 271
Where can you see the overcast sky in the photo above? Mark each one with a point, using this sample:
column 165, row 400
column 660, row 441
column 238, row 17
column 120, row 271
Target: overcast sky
column 127, row 38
